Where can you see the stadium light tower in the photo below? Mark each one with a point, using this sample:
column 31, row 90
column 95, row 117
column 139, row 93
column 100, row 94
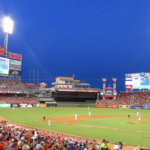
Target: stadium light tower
column 8, row 29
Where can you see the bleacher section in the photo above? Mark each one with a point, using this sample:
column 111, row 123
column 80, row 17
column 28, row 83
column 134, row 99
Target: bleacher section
column 108, row 101
column 12, row 85
column 124, row 98
column 17, row 98
column 139, row 98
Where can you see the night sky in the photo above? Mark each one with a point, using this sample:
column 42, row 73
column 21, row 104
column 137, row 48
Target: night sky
column 88, row 38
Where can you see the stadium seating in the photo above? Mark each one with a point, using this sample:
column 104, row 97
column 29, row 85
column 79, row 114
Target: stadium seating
column 21, row 138
column 108, row 101
column 139, row 98
column 17, row 98
column 12, row 85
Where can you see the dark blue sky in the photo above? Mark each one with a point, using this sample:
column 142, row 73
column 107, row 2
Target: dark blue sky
column 90, row 39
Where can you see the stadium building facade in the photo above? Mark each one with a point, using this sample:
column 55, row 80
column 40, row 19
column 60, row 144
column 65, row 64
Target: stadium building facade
column 66, row 89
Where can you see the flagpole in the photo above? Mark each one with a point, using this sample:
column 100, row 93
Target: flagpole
column 33, row 75
column 37, row 77
column 30, row 76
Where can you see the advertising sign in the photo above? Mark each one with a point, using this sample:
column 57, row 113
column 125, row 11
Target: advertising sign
column 4, row 66
column 136, row 107
column 2, row 51
column 146, row 107
column 128, row 86
column 42, row 105
column 124, row 106
column 15, row 56
column 15, row 105
column 14, row 73
column 100, row 106
column 5, row 105
column 15, row 62
column 15, row 67
column 112, row 106
column 31, row 84
column 137, row 81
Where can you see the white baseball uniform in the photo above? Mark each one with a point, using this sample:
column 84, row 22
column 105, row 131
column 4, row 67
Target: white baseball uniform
column 137, row 113
column 49, row 122
column 88, row 108
column 13, row 107
column 75, row 116
column 139, row 118
column 89, row 113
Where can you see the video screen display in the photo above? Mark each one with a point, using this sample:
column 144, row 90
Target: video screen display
column 4, row 66
column 137, row 81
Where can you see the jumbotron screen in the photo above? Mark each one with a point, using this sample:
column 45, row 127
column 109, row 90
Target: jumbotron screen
column 4, row 66
column 137, row 81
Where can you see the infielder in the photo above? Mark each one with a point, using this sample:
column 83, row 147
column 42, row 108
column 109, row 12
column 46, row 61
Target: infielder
column 137, row 113
column 49, row 122
column 75, row 116
column 139, row 119
column 13, row 107
column 89, row 113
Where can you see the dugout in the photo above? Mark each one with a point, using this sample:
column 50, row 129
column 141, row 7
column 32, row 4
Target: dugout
column 51, row 104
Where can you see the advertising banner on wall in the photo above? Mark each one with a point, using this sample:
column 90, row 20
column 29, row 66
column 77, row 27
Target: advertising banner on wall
column 23, row 104
column 146, row 107
column 2, row 51
column 112, row 106
column 31, row 84
column 14, row 73
column 4, row 66
column 15, row 105
column 136, row 107
column 100, row 106
column 124, row 106
column 5, row 105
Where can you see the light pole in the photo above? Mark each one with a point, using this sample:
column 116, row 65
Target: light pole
column 8, row 29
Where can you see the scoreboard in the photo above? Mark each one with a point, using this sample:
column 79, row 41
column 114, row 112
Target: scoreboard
column 137, row 81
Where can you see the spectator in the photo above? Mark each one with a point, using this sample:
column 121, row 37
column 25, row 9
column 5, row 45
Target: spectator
column 120, row 145
column 104, row 145
column 116, row 147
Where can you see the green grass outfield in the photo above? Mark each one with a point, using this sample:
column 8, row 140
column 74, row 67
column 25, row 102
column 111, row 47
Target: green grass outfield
column 29, row 116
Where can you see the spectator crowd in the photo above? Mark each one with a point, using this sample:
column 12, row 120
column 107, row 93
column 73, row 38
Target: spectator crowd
column 16, row 138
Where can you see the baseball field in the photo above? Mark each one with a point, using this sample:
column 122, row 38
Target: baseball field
column 110, row 124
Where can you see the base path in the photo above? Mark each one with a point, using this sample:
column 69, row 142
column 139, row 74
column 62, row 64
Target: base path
column 71, row 119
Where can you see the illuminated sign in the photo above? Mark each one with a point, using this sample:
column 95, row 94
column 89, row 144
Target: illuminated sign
column 15, row 56
column 4, row 66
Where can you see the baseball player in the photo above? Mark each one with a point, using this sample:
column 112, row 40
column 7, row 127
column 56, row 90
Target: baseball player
column 13, row 107
column 88, row 108
column 89, row 113
column 139, row 119
column 137, row 113
column 49, row 122
column 75, row 116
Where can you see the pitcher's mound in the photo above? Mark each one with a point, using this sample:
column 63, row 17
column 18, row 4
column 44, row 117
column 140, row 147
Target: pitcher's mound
column 137, row 123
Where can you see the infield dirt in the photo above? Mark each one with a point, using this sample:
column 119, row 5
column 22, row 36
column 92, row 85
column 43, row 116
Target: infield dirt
column 71, row 119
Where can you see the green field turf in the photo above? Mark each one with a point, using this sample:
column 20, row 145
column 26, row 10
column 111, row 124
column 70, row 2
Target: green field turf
column 29, row 116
